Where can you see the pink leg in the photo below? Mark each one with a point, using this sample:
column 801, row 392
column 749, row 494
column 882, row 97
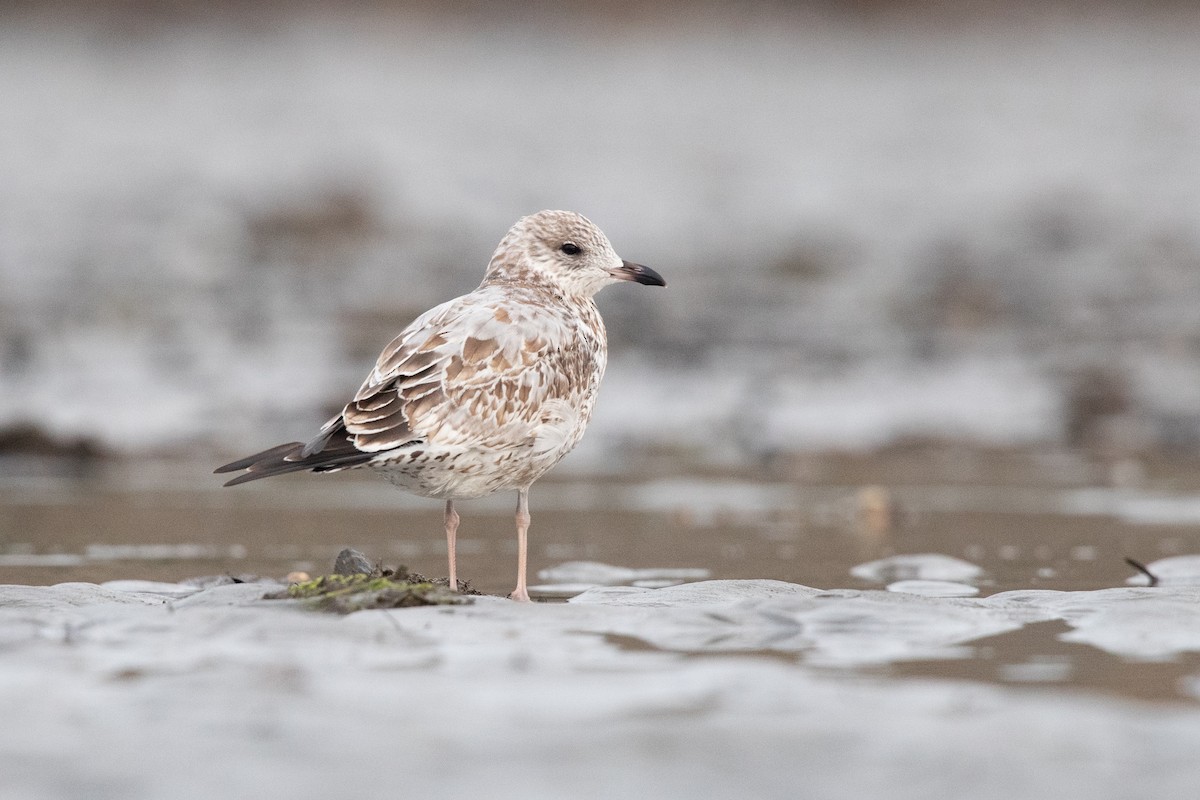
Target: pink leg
column 451, row 532
column 521, row 593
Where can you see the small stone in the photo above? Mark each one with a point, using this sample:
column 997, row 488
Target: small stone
column 297, row 576
column 352, row 562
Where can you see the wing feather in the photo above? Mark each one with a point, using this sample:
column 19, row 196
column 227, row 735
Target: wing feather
column 474, row 372
column 504, row 368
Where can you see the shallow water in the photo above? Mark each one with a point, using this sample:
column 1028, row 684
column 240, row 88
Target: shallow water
column 1039, row 527
column 1021, row 537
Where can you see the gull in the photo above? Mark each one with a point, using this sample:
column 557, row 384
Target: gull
column 486, row 392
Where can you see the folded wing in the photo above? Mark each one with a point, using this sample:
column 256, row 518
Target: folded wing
column 484, row 371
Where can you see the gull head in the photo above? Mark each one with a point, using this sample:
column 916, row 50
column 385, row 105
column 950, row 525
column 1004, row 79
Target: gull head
column 567, row 250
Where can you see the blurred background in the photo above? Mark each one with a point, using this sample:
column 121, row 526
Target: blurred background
column 909, row 245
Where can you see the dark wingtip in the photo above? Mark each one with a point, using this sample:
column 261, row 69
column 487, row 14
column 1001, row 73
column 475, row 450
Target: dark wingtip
column 249, row 462
column 285, row 458
column 249, row 476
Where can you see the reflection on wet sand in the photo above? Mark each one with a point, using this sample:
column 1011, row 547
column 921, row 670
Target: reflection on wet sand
column 1021, row 531
column 1038, row 655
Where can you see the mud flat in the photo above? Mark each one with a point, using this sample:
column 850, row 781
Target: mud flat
column 711, row 689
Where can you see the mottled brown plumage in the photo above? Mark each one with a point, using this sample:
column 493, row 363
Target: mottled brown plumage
column 487, row 391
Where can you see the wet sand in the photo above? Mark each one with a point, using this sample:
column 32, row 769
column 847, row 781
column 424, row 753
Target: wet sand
column 736, row 688
column 909, row 625
column 1027, row 520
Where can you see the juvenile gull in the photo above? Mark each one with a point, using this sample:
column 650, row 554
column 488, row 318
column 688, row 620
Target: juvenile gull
column 487, row 391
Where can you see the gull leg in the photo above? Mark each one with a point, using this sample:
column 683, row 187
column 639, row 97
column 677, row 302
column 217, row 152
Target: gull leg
column 521, row 593
column 451, row 532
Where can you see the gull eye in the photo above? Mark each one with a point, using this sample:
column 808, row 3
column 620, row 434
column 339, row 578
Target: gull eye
column 570, row 248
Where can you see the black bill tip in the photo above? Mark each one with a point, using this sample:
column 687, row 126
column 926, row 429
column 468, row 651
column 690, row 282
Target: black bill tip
column 639, row 273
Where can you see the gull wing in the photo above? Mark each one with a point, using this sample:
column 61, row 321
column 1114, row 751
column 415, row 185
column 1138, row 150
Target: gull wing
column 476, row 372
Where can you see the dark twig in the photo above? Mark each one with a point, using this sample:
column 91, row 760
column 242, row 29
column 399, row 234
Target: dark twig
column 1140, row 567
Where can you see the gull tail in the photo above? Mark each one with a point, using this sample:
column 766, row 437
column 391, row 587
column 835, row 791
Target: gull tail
column 298, row 457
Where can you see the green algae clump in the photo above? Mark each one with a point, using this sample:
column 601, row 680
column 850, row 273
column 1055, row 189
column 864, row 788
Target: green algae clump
column 345, row 594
